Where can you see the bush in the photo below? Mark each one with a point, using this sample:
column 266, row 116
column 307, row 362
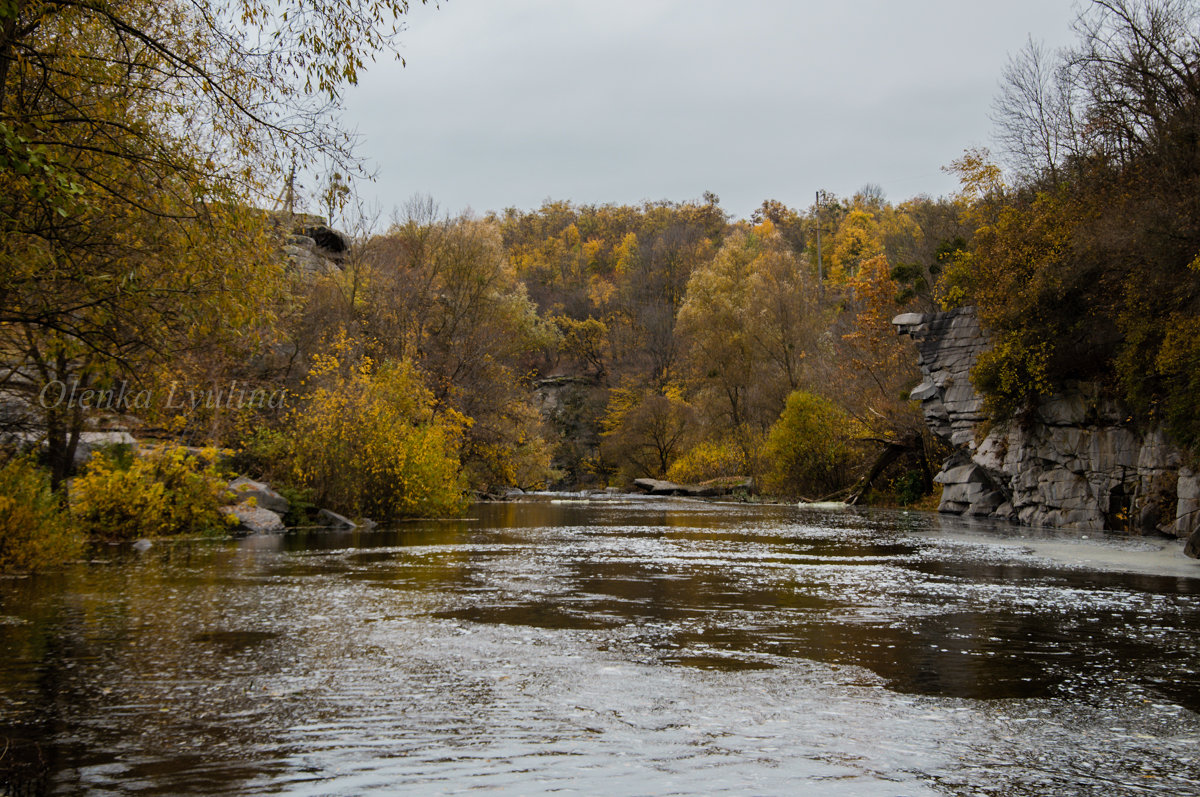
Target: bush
column 367, row 443
column 909, row 487
column 264, row 454
column 301, row 509
column 168, row 491
column 712, row 459
column 35, row 532
column 810, row 450
column 1012, row 376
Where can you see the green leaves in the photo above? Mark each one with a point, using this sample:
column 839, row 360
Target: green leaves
column 45, row 181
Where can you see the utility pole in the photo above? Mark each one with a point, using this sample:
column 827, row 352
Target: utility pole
column 290, row 201
column 820, row 262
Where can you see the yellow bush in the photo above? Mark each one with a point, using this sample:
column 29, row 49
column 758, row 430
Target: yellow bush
column 712, row 459
column 166, row 492
column 35, row 532
column 811, row 450
column 367, row 443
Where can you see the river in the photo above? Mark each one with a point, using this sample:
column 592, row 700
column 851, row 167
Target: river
column 625, row 647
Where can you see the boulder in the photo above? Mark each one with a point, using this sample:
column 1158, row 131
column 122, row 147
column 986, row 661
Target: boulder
column 254, row 519
column 332, row 520
column 1187, row 511
column 727, row 485
column 658, row 487
column 263, row 495
column 1192, row 548
column 708, row 489
column 90, row 442
column 987, row 504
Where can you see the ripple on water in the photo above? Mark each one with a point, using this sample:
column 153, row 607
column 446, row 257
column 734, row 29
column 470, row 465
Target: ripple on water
column 648, row 647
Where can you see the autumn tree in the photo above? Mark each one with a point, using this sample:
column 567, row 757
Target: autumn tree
column 721, row 349
column 1084, row 268
column 752, row 318
column 134, row 136
column 645, row 431
column 440, row 292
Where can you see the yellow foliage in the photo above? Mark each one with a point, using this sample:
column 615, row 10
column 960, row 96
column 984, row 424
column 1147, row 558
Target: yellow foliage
column 626, row 253
column 712, row 459
column 367, row 442
column 982, row 183
column 1012, row 375
column 35, row 533
column 810, row 450
column 600, row 291
column 857, row 240
column 168, row 491
column 764, row 229
column 1180, row 347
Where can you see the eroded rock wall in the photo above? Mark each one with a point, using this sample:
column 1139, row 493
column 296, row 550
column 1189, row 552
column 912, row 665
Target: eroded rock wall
column 1079, row 461
column 312, row 247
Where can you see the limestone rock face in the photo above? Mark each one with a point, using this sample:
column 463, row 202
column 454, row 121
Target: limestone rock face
column 947, row 345
column 1078, row 462
column 312, row 247
column 1187, row 511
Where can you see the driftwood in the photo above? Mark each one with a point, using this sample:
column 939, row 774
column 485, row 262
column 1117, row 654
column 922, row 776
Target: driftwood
column 892, row 451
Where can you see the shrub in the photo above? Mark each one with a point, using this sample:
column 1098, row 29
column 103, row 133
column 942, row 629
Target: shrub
column 810, row 450
column 35, row 532
column 264, row 453
column 909, row 487
column 1012, row 376
column 168, row 491
column 301, row 509
column 712, row 459
column 367, row 443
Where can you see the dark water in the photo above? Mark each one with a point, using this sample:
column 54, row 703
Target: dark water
column 641, row 648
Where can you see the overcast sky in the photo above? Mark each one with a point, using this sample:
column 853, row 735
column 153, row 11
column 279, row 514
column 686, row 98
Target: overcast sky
column 506, row 103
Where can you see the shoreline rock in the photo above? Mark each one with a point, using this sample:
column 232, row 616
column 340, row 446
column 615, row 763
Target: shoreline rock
column 255, row 519
column 245, row 489
column 1078, row 462
column 709, row 489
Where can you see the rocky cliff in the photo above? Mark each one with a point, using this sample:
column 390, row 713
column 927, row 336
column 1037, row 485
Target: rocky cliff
column 312, row 247
column 1078, row 461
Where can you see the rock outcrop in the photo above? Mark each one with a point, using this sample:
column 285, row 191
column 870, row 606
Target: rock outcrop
column 312, row 247
column 261, row 495
column 947, row 347
column 1078, row 461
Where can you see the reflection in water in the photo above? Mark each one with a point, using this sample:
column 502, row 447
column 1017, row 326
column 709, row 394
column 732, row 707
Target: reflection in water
column 661, row 646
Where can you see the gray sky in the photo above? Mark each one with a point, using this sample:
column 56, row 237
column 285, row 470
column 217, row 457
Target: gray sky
column 510, row 102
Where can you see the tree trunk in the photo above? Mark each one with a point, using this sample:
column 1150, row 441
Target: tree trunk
column 892, row 451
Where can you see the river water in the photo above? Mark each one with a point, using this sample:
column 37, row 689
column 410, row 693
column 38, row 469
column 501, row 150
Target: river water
column 631, row 647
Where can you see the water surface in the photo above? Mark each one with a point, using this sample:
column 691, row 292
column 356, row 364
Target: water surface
column 625, row 648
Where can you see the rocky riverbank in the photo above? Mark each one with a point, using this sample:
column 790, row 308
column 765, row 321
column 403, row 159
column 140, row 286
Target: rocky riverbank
column 1078, row 461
